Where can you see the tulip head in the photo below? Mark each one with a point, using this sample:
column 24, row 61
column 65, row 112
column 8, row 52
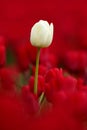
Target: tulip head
column 41, row 34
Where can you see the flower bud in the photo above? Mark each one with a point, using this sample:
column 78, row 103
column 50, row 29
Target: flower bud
column 41, row 34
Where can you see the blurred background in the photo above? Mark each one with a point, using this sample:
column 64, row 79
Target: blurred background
column 70, row 26
column 69, row 18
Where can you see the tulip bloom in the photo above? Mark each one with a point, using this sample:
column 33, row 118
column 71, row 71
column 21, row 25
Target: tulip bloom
column 41, row 34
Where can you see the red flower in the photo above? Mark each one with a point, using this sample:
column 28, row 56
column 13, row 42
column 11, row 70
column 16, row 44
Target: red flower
column 12, row 113
column 71, row 60
column 2, row 55
column 56, row 81
column 75, row 60
column 22, row 56
column 48, row 59
column 8, row 78
column 30, row 101
column 58, row 119
column 42, row 70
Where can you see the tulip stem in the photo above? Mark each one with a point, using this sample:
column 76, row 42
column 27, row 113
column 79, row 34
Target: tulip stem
column 36, row 71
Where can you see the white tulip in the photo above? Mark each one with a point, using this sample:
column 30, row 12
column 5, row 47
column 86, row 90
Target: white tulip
column 41, row 34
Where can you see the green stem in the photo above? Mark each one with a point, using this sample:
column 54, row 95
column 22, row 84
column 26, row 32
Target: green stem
column 36, row 72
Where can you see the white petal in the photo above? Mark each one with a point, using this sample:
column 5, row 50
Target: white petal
column 52, row 29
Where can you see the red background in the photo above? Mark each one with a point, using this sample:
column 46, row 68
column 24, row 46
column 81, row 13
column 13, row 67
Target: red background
column 18, row 16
